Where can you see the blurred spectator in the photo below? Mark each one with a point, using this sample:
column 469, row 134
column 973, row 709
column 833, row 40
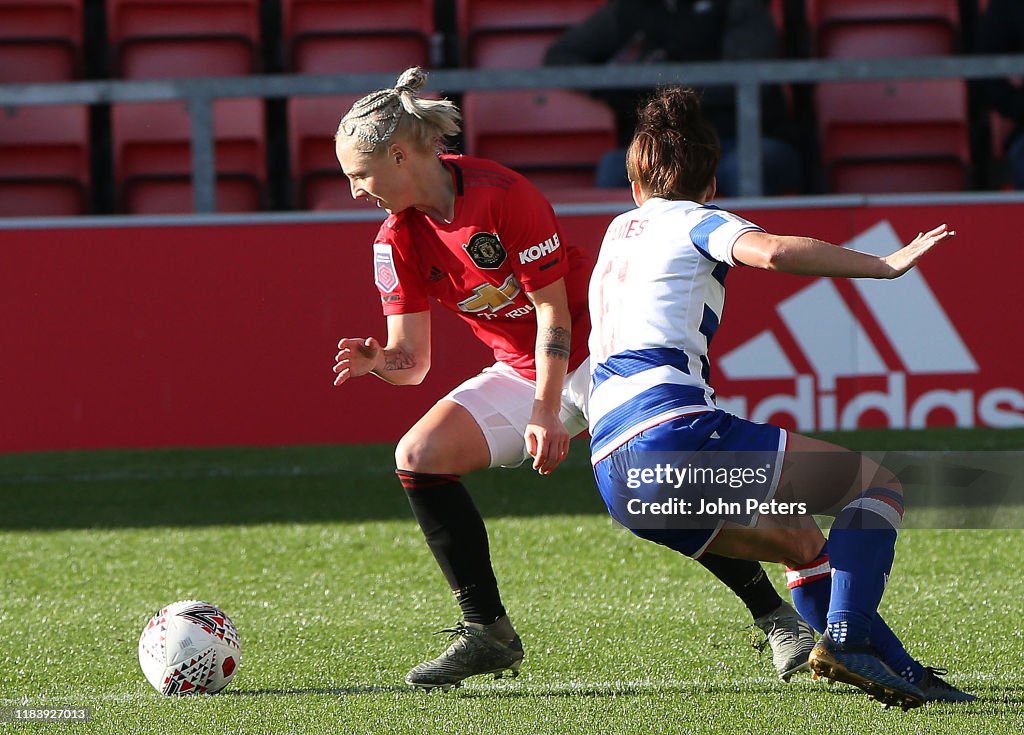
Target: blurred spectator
column 667, row 31
column 1001, row 31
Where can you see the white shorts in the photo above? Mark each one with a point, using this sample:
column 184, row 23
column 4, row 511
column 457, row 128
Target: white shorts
column 501, row 402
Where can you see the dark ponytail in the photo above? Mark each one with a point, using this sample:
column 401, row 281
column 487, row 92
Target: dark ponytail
column 674, row 152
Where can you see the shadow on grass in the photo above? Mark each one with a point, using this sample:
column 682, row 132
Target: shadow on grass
column 234, row 486
column 993, row 699
column 609, row 690
column 310, row 484
column 513, row 691
column 336, row 691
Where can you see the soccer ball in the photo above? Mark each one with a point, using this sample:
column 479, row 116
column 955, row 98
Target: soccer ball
column 189, row 647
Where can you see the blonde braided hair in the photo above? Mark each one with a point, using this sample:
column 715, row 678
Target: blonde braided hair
column 374, row 120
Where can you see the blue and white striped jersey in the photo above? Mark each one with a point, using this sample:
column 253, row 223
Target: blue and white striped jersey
column 656, row 298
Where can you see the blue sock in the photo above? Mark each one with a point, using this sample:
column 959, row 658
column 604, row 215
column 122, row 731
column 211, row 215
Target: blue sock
column 861, row 546
column 811, row 588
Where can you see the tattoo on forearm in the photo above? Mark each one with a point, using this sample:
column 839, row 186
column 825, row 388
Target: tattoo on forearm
column 556, row 343
column 399, row 360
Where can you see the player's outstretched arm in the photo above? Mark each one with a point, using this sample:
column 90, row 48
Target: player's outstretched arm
column 906, row 257
column 547, row 439
column 405, row 360
column 810, row 257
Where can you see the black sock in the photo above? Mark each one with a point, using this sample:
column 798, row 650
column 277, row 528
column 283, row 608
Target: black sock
column 456, row 535
column 747, row 579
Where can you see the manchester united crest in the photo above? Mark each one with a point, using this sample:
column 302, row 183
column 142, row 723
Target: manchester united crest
column 485, row 250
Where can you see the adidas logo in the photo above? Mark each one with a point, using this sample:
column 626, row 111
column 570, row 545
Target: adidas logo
column 837, row 346
column 436, row 274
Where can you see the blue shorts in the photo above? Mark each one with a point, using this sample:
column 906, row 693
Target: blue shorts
column 678, row 483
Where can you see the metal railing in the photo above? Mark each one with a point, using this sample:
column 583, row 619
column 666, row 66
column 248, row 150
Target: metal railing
column 745, row 77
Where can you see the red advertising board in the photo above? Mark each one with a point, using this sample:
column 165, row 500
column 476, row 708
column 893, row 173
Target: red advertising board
column 936, row 347
column 199, row 335
column 193, row 335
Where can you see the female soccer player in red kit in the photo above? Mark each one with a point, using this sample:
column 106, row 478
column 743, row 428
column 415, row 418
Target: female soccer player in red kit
column 482, row 241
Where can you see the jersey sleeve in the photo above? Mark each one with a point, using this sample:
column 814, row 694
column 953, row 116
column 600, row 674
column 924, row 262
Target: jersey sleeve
column 530, row 234
column 717, row 232
column 401, row 289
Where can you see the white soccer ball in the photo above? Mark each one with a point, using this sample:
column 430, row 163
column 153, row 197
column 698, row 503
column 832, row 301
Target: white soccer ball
column 189, row 647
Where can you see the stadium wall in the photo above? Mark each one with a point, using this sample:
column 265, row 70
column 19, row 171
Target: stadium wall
column 192, row 332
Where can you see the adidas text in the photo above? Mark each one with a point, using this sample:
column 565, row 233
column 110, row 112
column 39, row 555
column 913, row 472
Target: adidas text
column 812, row 409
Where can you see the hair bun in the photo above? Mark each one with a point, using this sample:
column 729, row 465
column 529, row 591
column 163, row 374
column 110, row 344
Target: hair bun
column 411, row 80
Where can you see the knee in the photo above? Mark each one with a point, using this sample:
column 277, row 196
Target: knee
column 887, row 479
column 803, row 545
column 417, row 452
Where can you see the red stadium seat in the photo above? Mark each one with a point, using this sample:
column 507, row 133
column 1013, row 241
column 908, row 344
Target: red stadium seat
column 331, row 36
column 890, row 136
column 889, row 39
column 894, row 177
column 512, row 51
column 44, row 160
column 152, row 156
column 491, row 30
column 336, row 55
column 153, row 39
column 918, row 131
column 823, row 12
column 554, row 137
column 884, row 27
column 40, row 40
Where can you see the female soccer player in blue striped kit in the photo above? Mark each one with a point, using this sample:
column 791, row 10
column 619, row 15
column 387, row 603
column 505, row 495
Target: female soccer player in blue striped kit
column 656, row 298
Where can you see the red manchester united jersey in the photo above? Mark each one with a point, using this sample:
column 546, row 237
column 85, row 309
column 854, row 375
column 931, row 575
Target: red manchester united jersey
column 502, row 243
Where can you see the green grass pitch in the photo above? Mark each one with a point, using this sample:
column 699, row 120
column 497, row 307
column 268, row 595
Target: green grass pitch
column 315, row 555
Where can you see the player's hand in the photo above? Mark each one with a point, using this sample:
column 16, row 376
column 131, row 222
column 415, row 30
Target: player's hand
column 547, row 440
column 356, row 357
column 906, row 257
